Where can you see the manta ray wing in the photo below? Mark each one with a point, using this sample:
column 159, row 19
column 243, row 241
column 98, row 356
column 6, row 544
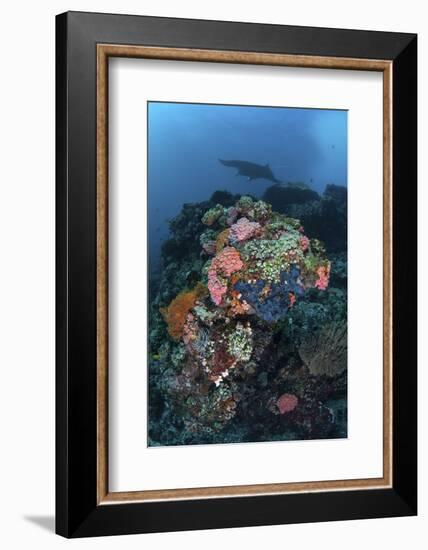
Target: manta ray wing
column 250, row 170
column 232, row 163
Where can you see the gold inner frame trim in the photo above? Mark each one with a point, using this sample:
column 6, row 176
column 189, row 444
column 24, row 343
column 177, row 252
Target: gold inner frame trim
column 104, row 51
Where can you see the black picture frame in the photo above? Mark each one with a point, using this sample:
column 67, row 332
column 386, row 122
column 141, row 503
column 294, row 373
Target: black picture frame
column 77, row 512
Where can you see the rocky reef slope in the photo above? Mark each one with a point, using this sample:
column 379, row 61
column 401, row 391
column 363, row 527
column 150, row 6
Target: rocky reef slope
column 247, row 321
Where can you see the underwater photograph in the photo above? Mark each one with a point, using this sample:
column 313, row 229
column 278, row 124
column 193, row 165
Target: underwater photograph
column 247, row 245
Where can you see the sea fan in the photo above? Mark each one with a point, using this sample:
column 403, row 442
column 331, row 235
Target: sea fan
column 326, row 352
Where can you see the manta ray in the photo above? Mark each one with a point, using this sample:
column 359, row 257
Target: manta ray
column 251, row 170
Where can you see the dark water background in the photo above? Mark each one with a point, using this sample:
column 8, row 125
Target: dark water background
column 185, row 142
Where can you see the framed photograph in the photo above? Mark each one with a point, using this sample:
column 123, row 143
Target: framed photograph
column 236, row 274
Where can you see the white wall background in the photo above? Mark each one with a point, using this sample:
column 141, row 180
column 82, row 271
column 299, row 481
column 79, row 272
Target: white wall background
column 27, row 272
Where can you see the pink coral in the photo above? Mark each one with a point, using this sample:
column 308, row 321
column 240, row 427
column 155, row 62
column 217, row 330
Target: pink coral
column 228, row 261
column 323, row 273
column 222, row 266
column 287, row 402
column 216, row 287
column 243, row 230
column 304, row 243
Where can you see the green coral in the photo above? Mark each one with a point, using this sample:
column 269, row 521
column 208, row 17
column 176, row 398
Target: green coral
column 269, row 257
column 178, row 354
column 214, row 214
column 240, row 343
column 219, row 408
column 262, row 211
column 207, row 236
column 280, row 223
column 204, row 314
column 245, row 204
column 311, row 262
column 254, row 210
column 317, row 247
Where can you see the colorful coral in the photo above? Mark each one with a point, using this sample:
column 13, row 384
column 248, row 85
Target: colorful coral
column 213, row 214
column 304, row 243
column 238, row 344
column 323, row 273
column 243, row 230
column 269, row 263
column 222, row 266
column 245, row 205
column 272, row 256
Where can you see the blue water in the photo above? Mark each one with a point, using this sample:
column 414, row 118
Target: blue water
column 185, row 142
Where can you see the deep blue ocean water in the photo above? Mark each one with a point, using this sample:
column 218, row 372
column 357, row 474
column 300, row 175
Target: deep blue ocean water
column 185, row 142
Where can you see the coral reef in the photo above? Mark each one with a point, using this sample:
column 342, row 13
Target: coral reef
column 247, row 334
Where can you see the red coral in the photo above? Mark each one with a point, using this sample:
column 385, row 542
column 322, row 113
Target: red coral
column 323, row 273
column 287, row 403
column 221, row 362
column 243, row 230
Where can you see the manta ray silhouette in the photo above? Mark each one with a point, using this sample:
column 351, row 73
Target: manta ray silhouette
column 251, row 170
